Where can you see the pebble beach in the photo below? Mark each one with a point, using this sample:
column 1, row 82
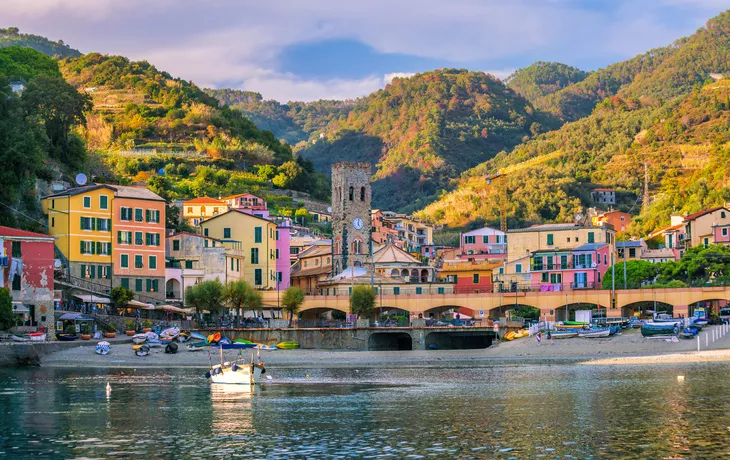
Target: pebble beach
column 628, row 347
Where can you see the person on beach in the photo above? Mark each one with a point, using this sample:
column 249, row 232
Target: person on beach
column 538, row 336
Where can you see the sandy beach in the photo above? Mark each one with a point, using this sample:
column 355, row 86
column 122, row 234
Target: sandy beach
column 627, row 348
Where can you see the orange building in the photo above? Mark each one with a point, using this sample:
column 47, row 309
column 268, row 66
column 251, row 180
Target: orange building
column 620, row 220
column 138, row 259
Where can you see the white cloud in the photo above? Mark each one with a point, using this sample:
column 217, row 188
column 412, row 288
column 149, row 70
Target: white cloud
column 388, row 77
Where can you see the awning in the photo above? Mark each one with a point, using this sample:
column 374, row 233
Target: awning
column 74, row 317
column 18, row 307
column 140, row 305
column 88, row 298
column 172, row 309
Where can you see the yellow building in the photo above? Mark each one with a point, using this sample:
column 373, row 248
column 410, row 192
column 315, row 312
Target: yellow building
column 255, row 236
column 523, row 241
column 469, row 277
column 199, row 209
column 81, row 220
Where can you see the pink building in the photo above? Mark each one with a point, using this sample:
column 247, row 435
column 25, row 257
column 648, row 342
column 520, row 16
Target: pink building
column 283, row 260
column 248, row 203
column 579, row 268
column 26, row 269
column 483, row 244
column 721, row 234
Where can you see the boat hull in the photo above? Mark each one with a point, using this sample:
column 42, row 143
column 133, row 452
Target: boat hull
column 563, row 335
column 661, row 329
column 594, row 334
column 244, row 374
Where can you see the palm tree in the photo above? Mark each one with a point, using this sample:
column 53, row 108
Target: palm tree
column 292, row 301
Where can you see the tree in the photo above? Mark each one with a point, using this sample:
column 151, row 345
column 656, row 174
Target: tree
column 58, row 107
column 302, row 214
column 121, row 296
column 205, row 296
column 292, row 301
column 362, row 301
column 699, row 266
column 7, row 317
column 638, row 273
column 238, row 295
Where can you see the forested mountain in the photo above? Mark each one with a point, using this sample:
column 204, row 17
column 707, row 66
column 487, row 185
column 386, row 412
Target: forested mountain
column 662, row 118
column 12, row 37
column 36, row 130
column 294, row 121
column 661, row 73
column 544, row 78
column 421, row 131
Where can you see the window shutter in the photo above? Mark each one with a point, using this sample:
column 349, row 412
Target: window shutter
column 119, row 237
column 83, row 248
column 157, row 216
column 147, row 239
column 98, row 247
column 99, row 271
column 92, row 272
column 129, row 237
column 83, row 271
column 147, row 215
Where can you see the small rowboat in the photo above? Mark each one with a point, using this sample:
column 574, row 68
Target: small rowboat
column 139, row 338
column 594, row 333
column 563, row 334
column 198, row 336
column 509, row 336
column 67, row 337
column 659, row 330
column 32, row 337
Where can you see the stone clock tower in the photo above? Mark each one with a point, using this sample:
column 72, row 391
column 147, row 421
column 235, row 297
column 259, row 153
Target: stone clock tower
column 351, row 225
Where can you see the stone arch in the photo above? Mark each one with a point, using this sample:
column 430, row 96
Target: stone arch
column 352, row 193
column 173, row 289
column 714, row 305
column 424, row 275
column 414, row 275
column 645, row 309
column 404, row 273
column 566, row 312
column 362, row 193
column 395, row 272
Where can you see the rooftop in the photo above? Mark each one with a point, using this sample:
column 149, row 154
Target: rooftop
column 628, row 244
column 552, row 227
column 590, row 247
column 204, row 200
column 121, row 191
column 696, row 215
column 16, row 232
column 391, row 254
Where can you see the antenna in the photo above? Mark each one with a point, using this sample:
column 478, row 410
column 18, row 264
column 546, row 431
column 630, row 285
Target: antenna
column 329, row 209
column 81, row 179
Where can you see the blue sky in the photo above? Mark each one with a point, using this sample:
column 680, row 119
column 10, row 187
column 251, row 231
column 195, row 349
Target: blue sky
column 306, row 50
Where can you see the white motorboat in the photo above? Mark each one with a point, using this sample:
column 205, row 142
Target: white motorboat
column 32, row 337
column 236, row 373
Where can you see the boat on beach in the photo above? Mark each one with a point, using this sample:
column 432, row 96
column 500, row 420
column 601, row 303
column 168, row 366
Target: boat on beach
column 66, row 337
column 659, row 329
column 594, row 333
column 563, row 334
column 32, row 337
column 139, row 338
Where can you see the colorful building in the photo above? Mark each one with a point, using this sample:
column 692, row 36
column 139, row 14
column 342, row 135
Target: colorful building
column 313, row 266
column 249, row 203
column 483, row 244
column 469, row 276
column 283, row 251
column 707, row 227
column 619, row 219
column 26, row 269
column 382, row 230
column 192, row 259
column 111, row 235
column 672, row 237
column 255, row 236
column 582, row 267
column 199, row 209
column 630, row 250
column 603, row 195
column 138, row 252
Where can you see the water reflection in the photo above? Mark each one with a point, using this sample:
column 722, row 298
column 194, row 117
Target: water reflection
column 525, row 411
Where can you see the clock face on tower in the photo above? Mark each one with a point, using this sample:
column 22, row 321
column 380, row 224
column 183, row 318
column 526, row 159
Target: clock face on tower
column 357, row 223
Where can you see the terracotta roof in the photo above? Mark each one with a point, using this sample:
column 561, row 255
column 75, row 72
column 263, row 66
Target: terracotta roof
column 392, row 254
column 121, row 191
column 9, row 231
column 671, row 228
column 230, row 197
column 316, row 250
column 702, row 213
column 321, row 270
column 550, row 227
column 603, row 189
column 204, row 200
column 238, row 211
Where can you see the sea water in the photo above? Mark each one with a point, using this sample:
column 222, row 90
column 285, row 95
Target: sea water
column 565, row 411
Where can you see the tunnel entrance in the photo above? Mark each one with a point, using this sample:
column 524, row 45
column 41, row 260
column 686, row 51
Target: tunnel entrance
column 387, row 341
column 458, row 340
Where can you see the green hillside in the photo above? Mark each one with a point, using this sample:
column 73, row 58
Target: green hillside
column 421, row 131
column 12, row 37
column 294, row 121
column 544, row 78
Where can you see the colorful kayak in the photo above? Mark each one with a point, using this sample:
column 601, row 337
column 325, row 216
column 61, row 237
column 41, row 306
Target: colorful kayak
column 261, row 346
column 242, row 341
column 287, row 345
column 234, row 346
column 509, row 336
column 214, row 338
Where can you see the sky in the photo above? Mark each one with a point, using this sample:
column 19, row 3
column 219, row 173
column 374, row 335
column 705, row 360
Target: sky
column 337, row 49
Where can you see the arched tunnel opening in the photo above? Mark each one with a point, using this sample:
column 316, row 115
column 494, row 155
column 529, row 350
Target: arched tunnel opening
column 387, row 341
column 458, row 340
